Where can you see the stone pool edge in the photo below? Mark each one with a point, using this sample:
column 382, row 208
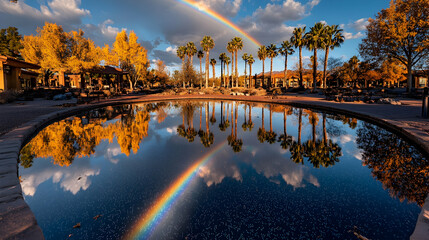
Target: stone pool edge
column 18, row 221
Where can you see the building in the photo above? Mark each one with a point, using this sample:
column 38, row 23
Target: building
column 100, row 76
column 278, row 79
column 15, row 74
column 420, row 79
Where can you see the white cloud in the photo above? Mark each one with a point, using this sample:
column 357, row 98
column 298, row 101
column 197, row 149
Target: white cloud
column 348, row 35
column 359, row 25
column 63, row 12
column 73, row 178
column 227, row 8
column 171, row 49
column 268, row 24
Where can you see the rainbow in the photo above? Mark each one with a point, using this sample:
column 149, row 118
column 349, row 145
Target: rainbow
column 150, row 219
column 220, row 19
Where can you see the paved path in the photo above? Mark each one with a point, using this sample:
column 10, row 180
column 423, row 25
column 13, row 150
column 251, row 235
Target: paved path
column 19, row 122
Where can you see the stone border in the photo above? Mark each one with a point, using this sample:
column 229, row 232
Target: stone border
column 18, row 221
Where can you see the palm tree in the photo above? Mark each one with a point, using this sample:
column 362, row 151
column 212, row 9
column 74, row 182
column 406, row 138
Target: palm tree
column 213, row 118
column 284, row 139
column 227, row 62
column 298, row 41
column 271, row 53
column 250, row 61
column 200, row 55
column 191, row 50
column 296, row 149
column 245, row 58
column 314, row 41
column 286, row 50
column 222, row 58
column 213, row 63
column 207, row 44
column 262, row 55
column 231, row 49
column 261, row 130
column 271, row 136
column 181, row 53
column 333, row 38
column 207, row 137
column 238, row 46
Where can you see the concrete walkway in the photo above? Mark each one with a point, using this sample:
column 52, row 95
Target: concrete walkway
column 19, row 122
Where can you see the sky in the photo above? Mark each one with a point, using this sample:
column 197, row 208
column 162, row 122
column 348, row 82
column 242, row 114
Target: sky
column 162, row 25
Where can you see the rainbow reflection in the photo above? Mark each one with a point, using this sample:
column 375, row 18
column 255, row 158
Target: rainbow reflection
column 150, row 219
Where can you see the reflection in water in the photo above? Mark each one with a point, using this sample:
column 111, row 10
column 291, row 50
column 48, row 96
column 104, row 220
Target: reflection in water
column 298, row 149
column 401, row 169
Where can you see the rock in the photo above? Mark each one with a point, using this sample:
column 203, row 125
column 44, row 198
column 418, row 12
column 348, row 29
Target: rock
column 77, row 225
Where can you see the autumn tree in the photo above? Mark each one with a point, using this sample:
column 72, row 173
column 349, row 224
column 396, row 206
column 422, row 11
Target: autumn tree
column 392, row 72
column 400, row 32
column 10, row 42
column 49, row 49
column 161, row 72
column 130, row 56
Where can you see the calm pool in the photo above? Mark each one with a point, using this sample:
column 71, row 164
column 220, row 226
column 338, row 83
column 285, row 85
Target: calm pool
column 221, row 170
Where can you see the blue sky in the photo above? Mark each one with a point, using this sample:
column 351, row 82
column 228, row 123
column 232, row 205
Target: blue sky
column 162, row 25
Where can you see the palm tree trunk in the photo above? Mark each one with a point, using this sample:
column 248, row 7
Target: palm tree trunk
column 300, row 67
column 263, row 73
column 201, row 115
column 221, row 73
column 207, row 118
column 263, row 120
column 250, row 113
column 284, row 123
column 250, row 76
column 236, row 117
column 207, row 69
column 213, row 111
column 232, row 70
column 271, row 119
column 214, row 76
column 299, row 126
column 315, row 70
column 271, row 74
column 227, row 76
column 325, row 66
column 183, row 71
column 245, row 74
column 232, row 121
column 236, row 68
column 285, row 83
column 201, row 74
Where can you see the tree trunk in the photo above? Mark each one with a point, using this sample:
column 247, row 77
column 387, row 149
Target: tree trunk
column 227, row 76
column 263, row 120
column 245, row 74
column 324, row 67
column 299, row 126
column 271, row 119
column 284, row 123
column 232, row 70
column 201, row 74
column 300, row 67
column 315, row 69
column 183, row 72
column 207, row 69
column 214, row 75
column 221, row 73
column 207, row 119
column 285, row 82
column 263, row 73
column 250, row 114
column 271, row 74
column 236, row 68
column 409, row 75
column 325, row 136
column 250, row 75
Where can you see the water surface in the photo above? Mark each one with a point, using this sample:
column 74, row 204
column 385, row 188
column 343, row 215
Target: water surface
column 221, row 170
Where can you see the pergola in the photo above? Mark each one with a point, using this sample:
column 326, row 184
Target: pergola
column 10, row 72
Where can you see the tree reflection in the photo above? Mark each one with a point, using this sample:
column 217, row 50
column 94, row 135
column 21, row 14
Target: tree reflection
column 398, row 165
column 207, row 138
column 284, row 139
column 261, row 131
column 78, row 136
column 233, row 139
column 271, row 136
